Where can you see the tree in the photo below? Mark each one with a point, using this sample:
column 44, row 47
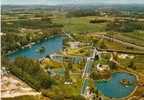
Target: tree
column 94, row 75
column 66, row 74
column 78, row 97
column 101, row 44
column 97, row 21
column 96, row 92
column 112, row 64
column 132, row 65
column 47, row 19
column 58, row 97
column 94, row 41
column 115, row 56
column 81, row 13
column 70, row 65
column 46, row 83
column 124, row 25
column 31, row 72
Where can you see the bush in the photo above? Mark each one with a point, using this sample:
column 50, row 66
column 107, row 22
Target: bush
column 97, row 21
column 58, row 97
column 78, row 97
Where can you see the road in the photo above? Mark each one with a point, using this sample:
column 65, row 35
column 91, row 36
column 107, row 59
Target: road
column 68, row 35
column 120, row 41
column 89, row 62
column 87, row 70
column 21, row 19
column 87, row 66
column 121, row 51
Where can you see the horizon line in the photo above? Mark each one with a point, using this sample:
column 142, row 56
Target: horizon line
column 72, row 4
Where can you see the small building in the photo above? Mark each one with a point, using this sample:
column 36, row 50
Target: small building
column 124, row 56
column 103, row 71
column 2, row 33
column 74, row 44
column 67, row 83
column 102, row 68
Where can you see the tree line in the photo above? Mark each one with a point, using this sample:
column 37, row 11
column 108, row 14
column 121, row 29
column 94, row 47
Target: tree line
column 15, row 37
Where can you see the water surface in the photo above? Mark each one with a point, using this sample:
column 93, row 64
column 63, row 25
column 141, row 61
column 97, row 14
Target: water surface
column 113, row 87
column 51, row 45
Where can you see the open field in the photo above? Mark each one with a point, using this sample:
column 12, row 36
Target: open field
column 61, row 78
column 80, row 25
column 136, row 38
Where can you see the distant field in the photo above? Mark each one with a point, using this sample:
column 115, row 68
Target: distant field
column 135, row 35
column 136, row 38
column 80, row 25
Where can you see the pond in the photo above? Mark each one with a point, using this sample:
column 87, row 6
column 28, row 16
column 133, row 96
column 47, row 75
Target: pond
column 50, row 45
column 114, row 88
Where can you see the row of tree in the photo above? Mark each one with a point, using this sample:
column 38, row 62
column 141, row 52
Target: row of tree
column 81, row 13
column 97, row 21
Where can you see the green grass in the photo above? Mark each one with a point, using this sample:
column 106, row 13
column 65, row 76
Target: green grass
column 136, row 38
column 137, row 35
column 80, row 25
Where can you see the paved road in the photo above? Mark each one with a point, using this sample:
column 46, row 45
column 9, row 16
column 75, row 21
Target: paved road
column 87, row 70
column 87, row 66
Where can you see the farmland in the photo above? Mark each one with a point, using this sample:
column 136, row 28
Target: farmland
column 57, row 49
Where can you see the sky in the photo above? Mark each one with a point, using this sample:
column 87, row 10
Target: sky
column 57, row 2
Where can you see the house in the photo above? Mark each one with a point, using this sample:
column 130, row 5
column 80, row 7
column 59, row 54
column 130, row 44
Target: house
column 102, row 68
column 74, row 44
